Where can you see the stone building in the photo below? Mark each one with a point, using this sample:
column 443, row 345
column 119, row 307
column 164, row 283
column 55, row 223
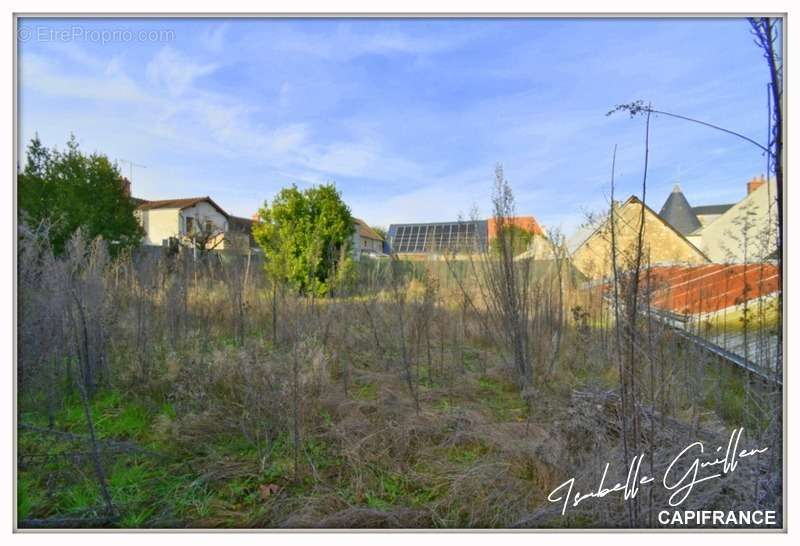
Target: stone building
column 662, row 243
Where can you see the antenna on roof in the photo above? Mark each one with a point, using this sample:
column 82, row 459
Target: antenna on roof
column 131, row 165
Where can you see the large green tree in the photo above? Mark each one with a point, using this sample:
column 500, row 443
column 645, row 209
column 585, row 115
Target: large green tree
column 305, row 236
column 70, row 190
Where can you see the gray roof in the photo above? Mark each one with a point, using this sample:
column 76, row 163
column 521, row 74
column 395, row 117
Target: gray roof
column 678, row 213
column 711, row 209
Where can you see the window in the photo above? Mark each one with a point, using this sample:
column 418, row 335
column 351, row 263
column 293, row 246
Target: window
column 189, row 224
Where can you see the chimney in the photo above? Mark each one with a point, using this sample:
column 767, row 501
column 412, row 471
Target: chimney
column 755, row 183
column 126, row 186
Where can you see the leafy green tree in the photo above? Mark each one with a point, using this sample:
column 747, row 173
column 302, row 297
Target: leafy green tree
column 305, row 236
column 69, row 190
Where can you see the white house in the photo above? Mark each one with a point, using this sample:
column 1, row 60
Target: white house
column 185, row 219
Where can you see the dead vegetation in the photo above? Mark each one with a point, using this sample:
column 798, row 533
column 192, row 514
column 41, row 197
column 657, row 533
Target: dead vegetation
column 427, row 394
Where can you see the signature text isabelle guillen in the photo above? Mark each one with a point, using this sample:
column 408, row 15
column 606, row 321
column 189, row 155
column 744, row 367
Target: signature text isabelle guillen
column 680, row 484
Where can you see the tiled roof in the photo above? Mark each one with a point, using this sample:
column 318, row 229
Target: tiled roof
column 180, row 204
column 708, row 288
column 171, row 203
column 527, row 223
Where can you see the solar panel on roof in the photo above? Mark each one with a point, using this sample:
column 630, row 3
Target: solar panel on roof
column 424, row 238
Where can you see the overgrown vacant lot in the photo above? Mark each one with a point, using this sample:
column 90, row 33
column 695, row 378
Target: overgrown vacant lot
column 217, row 399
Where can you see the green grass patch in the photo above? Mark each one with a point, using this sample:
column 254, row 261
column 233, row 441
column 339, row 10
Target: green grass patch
column 58, row 478
column 471, row 359
column 502, row 399
column 466, row 453
column 725, row 393
column 29, row 496
column 366, row 392
column 392, row 489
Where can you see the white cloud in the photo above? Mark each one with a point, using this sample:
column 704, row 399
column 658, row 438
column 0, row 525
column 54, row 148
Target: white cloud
column 288, row 138
column 44, row 76
column 176, row 72
column 350, row 41
column 213, row 39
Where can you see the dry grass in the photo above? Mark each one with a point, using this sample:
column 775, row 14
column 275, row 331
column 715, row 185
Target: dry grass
column 323, row 415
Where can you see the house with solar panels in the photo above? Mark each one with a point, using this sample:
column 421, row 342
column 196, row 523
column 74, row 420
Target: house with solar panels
column 438, row 238
column 432, row 239
column 729, row 233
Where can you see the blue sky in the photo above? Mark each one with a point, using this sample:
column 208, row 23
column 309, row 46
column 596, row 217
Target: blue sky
column 407, row 117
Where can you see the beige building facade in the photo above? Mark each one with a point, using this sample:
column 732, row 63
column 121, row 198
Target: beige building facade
column 747, row 231
column 662, row 244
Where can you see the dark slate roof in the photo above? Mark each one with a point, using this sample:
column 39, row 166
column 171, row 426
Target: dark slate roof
column 711, row 209
column 678, row 213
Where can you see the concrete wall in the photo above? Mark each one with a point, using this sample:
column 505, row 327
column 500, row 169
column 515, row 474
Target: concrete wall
column 745, row 232
column 661, row 244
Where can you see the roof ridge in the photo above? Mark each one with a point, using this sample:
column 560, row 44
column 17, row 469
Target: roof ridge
column 180, row 203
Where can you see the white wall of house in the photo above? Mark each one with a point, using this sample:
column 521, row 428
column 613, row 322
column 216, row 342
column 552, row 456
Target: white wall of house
column 202, row 212
column 159, row 224
column 745, row 232
column 706, row 219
